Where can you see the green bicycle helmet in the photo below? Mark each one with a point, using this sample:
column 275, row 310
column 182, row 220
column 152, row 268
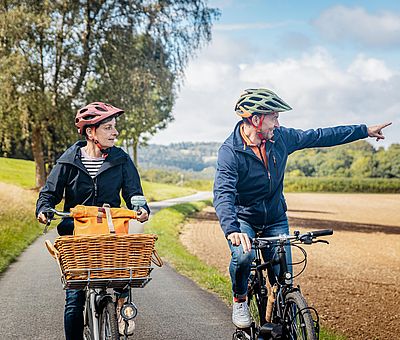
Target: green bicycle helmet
column 259, row 101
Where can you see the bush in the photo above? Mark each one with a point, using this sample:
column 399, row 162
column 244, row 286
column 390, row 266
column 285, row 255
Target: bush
column 339, row 184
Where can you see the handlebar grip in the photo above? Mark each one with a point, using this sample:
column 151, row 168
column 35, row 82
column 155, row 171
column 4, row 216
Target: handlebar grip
column 324, row 232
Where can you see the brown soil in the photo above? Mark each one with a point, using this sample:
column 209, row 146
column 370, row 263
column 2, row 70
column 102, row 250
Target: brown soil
column 354, row 281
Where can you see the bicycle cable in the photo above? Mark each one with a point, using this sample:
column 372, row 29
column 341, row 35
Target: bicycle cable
column 304, row 260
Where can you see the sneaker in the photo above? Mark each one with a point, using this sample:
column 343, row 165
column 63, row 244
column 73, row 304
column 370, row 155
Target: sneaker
column 122, row 323
column 241, row 315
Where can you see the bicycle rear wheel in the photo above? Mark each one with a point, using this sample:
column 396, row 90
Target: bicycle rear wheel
column 108, row 321
column 298, row 320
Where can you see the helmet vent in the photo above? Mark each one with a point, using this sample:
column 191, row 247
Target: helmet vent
column 89, row 117
column 100, row 108
column 272, row 104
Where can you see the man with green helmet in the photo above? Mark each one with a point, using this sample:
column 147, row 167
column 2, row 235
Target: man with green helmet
column 248, row 186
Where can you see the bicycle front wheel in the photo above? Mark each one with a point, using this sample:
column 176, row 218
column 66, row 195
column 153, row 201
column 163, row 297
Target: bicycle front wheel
column 298, row 320
column 256, row 301
column 108, row 322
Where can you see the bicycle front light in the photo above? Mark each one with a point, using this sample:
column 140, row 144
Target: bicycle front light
column 128, row 311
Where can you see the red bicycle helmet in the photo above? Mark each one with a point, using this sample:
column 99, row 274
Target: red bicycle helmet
column 94, row 113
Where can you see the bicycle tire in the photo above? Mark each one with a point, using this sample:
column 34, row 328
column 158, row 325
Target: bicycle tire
column 298, row 321
column 88, row 326
column 108, row 321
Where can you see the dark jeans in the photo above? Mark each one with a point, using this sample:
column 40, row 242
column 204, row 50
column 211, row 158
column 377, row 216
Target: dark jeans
column 239, row 268
column 73, row 312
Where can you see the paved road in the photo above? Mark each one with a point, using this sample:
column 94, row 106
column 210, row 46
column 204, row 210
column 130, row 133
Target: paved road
column 170, row 306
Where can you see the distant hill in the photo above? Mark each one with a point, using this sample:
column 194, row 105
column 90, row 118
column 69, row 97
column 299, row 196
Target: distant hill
column 187, row 156
column 359, row 159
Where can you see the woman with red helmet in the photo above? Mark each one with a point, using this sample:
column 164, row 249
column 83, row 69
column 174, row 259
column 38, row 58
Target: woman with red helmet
column 91, row 172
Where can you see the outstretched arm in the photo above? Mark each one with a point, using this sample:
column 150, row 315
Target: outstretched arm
column 376, row 131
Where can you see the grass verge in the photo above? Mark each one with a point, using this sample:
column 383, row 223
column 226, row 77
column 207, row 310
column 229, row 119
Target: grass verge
column 18, row 172
column 167, row 224
column 18, row 226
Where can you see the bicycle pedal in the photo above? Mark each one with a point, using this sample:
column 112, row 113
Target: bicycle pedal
column 274, row 330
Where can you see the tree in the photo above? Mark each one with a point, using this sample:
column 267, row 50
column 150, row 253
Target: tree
column 135, row 67
column 47, row 51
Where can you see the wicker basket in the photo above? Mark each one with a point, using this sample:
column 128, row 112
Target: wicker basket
column 106, row 256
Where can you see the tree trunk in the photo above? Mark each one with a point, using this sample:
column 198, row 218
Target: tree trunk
column 135, row 151
column 37, row 151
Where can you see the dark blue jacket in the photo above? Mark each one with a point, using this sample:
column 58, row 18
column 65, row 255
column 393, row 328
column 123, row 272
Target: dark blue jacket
column 70, row 177
column 244, row 188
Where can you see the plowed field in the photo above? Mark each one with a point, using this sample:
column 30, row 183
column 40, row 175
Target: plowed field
column 354, row 281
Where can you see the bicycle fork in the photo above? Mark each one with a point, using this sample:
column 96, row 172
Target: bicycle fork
column 94, row 314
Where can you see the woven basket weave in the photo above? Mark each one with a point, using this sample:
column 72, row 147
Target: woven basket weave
column 76, row 254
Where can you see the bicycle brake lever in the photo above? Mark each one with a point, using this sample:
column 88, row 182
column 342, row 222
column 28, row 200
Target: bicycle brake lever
column 46, row 227
column 321, row 241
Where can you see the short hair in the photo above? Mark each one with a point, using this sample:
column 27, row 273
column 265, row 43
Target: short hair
column 104, row 121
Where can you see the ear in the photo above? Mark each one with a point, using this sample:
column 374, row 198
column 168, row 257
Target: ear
column 255, row 119
column 89, row 132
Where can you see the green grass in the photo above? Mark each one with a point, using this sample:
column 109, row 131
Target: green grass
column 167, row 225
column 22, row 173
column 18, row 227
column 17, row 171
column 159, row 191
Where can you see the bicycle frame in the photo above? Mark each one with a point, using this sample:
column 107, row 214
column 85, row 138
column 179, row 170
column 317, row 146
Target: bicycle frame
column 270, row 291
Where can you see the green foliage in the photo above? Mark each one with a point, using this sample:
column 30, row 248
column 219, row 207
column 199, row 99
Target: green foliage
column 48, row 49
column 337, row 184
column 358, row 159
column 136, row 69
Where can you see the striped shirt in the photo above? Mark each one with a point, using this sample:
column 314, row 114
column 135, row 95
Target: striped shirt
column 92, row 164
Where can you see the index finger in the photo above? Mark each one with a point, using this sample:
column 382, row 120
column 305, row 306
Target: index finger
column 382, row 126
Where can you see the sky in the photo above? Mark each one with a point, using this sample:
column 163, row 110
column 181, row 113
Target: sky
column 333, row 62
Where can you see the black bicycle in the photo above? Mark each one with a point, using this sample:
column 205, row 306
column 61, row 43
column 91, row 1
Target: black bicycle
column 277, row 307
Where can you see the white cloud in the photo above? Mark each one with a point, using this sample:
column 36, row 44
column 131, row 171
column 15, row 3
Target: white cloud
column 355, row 24
column 370, row 69
column 322, row 92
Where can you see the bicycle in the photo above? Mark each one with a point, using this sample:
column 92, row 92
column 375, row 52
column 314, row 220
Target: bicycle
column 278, row 308
column 100, row 317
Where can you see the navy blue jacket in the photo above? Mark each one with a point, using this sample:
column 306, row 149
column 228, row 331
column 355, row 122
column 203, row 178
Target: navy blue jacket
column 70, row 177
column 244, row 188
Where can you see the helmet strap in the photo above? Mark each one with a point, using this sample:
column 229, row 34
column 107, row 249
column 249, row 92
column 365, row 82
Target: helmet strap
column 258, row 127
column 104, row 152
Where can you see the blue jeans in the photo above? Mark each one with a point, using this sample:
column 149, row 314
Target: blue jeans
column 73, row 312
column 239, row 268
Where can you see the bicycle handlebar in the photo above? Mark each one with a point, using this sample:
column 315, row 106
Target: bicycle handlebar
column 55, row 212
column 304, row 238
column 324, row 232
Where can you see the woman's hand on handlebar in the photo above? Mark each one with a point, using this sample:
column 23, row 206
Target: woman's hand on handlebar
column 240, row 239
column 143, row 215
column 42, row 218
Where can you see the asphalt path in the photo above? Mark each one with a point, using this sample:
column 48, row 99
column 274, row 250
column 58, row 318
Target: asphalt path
column 170, row 306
